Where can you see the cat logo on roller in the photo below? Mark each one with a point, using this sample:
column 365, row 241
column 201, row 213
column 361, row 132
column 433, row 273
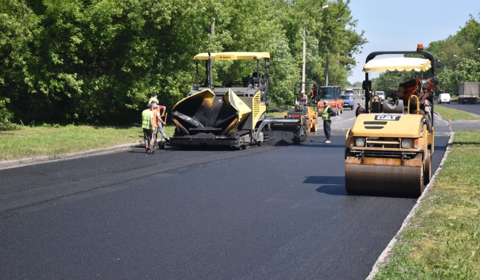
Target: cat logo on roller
column 388, row 151
column 387, row 118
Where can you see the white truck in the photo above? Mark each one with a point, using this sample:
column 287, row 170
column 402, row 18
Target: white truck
column 468, row 92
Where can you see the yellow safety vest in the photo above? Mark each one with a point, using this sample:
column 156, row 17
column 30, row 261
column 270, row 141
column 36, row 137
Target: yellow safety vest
column 325, row 114
column 146, row 115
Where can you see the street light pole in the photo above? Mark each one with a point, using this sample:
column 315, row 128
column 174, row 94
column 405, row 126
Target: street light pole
column 305, row 51
column 443, row 73
column 328, row 55
column 326, row 69
column 304, row 60
column 457, row 62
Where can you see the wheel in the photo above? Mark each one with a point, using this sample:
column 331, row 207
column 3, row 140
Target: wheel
column 427, row 171
column 296, row 140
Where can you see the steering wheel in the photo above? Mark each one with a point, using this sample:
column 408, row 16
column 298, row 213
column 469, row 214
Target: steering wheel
column 392, row 98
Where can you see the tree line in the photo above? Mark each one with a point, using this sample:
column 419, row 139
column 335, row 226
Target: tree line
column 98, row 61
column 457, row 60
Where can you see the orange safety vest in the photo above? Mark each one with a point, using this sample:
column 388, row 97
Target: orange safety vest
column 410, row 90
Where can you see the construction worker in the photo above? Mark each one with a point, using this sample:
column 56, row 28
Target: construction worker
column 313, row 93
column 360, row 109
column 327, row 122
column 422, row 88
column 153, row 98
column 159, row 121
column 148, row 124
column 303, row 98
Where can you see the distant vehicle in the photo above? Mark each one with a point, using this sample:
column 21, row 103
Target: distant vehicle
column 468, row 92
column 444, row 98
column 348, row 100
column 380, row 94
column 349, row 91
column 332, row 95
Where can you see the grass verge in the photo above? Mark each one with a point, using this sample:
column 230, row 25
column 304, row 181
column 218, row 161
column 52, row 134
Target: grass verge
column 55, row 140
column 455, row 115
column 443, row 239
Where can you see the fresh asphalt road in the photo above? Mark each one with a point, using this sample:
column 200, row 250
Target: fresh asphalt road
column 261, row 213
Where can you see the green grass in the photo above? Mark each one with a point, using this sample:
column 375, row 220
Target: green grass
column 443, row 238
column 55, row 140
column 455, row 115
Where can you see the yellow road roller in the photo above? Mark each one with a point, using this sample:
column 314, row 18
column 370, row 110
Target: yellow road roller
column 388, row 151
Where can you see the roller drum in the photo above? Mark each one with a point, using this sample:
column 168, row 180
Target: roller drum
column 391, row 180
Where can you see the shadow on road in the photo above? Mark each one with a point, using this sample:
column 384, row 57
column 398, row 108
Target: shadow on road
column 332, row 190
column 332, row 185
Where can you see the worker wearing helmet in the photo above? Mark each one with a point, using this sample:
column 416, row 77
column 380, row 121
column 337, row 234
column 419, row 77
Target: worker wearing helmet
column 148, row 124
column 327, row 122
column 154, row 98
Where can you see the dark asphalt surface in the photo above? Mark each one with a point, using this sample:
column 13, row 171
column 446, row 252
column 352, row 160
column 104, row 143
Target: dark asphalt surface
column 260, row 213
column 464, row 125
column 471, row 108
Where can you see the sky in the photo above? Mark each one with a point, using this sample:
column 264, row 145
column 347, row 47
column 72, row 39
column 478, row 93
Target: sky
column 399, row 25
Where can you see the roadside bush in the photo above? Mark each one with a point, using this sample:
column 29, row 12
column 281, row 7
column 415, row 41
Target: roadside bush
column 5, row 115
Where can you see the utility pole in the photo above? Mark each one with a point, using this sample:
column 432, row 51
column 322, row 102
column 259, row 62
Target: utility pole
column 212, row 28
column 326, row 69
column 304, row 60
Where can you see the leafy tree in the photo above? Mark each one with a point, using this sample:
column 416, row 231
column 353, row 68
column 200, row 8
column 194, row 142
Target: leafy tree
column 17, row 29
column 99, row 60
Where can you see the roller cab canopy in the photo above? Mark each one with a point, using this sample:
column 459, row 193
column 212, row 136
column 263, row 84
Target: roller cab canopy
column 398, row 64
column 233, row 56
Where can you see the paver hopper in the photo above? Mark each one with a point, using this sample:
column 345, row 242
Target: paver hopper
column 232, row 113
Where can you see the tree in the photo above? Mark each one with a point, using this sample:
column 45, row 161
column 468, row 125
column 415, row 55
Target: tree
column 98, row 61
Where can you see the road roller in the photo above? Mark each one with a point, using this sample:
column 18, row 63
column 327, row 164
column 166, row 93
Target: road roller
column 228, row 108
column 305, row 106
column 388, row 150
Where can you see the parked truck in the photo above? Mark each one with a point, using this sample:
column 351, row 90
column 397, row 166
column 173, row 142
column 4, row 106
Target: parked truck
column 468, row 92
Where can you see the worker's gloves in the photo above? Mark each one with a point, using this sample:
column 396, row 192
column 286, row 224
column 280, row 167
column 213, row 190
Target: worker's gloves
column 428, row 109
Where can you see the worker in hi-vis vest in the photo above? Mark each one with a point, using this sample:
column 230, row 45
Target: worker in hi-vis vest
column 148, row 125
column 327, row 122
